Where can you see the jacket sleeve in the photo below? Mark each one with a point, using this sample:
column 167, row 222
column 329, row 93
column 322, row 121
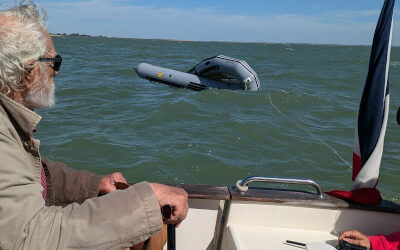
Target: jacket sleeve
column 113, row 221
column 69, row 185
column 387, row 242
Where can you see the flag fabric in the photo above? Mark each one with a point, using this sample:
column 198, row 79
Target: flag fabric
column 372, row 116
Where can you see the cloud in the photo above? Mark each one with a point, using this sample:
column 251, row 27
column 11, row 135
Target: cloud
column 122, row 19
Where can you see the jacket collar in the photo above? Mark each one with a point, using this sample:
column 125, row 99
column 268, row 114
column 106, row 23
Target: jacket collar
column 24, row 118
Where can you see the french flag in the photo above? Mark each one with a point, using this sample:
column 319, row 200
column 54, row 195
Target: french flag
column 372, row 116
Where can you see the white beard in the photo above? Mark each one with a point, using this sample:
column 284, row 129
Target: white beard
column 42, row 95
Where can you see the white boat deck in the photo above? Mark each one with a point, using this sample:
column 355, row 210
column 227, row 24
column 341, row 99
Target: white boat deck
column 254, row 226
column 274, row 238
column 219, row 219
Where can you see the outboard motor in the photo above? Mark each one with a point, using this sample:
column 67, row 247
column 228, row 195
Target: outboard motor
column 220, row 72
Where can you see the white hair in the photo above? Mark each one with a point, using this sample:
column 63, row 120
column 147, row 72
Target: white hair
column 22, row 38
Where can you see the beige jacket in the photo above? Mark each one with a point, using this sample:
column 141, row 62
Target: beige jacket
column 112, row 221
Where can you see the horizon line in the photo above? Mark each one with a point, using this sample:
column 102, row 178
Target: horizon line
column 58, row 34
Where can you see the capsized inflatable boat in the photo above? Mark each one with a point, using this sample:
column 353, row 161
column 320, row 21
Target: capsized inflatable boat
column 219, row 72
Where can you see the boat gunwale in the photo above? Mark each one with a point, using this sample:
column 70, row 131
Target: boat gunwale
column 282, row 196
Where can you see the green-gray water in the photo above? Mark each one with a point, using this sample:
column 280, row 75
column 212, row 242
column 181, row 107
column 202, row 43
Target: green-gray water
column 300, row 125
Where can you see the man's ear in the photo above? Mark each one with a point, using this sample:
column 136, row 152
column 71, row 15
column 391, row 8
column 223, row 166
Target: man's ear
column 31, row 76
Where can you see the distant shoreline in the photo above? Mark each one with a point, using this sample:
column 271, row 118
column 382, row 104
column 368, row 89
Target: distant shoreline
column 77, row 34
column 163, row 39
column 179, row 40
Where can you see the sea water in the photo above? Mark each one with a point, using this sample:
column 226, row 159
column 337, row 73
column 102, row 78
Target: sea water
column 300, row 125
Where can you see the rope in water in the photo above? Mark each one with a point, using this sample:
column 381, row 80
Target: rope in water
column 308, row 132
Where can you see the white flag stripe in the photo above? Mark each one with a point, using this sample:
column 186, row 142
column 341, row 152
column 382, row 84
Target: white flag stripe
column 369, row 173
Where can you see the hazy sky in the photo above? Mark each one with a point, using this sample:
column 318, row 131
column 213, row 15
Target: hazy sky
column 287, row 21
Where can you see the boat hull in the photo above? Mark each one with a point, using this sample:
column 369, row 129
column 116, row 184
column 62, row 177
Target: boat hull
column 225, row 218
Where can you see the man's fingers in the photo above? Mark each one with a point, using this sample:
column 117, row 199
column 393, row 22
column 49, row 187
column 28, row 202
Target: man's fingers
column 355, row 237
column 181, row 211
column 117, row 177
column 353, row 234
column 176, row 219
column 174, row 197
column 178, row 214
column 121, row 178
column 353, row 241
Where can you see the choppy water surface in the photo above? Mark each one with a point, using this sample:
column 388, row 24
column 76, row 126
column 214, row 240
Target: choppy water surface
column 300, row 125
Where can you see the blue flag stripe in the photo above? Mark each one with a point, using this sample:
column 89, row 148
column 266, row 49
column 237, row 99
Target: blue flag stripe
column 370, row 116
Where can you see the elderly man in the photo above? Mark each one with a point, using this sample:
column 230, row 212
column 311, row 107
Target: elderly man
column 43, row 204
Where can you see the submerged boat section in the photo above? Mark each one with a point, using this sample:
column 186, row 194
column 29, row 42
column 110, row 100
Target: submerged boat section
column 218, row 72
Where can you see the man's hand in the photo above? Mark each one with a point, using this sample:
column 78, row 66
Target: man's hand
column 177, row 198
column 355, row 237
column 107, row 184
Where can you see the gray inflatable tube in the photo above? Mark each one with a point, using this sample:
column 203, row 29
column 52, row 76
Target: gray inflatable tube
column 219, row 72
